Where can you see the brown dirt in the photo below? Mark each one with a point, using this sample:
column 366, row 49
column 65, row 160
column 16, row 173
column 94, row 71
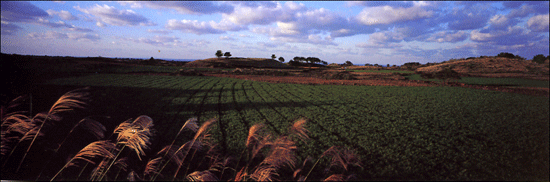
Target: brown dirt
column 236, row 63
column 536, row 91
column 497, row 66
column 319, row 81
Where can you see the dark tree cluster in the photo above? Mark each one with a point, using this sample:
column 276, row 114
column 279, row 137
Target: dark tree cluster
column 540, row 58
column 309, row 60
column 509, row 55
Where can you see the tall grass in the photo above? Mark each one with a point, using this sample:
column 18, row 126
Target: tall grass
column 126, row 154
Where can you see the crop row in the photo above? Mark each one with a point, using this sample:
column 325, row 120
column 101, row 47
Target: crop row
column 417, row 132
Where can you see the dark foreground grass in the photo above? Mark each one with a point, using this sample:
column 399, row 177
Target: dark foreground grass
column 400, row 133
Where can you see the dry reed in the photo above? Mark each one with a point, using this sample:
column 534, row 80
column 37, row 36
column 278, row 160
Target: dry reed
column 202, row 176
column 335, row 177
column 202, row 136
column 94, row 150
column 67, row 102
column 136, row 135
column 299, row 129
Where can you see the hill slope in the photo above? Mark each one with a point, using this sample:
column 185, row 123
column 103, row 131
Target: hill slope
column 490, row 66
column 237, row 63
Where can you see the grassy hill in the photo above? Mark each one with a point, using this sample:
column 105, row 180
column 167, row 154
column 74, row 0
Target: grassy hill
column 489, row 65
column 237, row 63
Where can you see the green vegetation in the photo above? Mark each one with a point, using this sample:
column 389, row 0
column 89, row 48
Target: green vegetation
column 219, row 53
column 383, row 71
column 348, row 63
column 509, row 55
column 539, row 58
column 132, row 151
column 520, row 82
column 227, row 54
column 400, row 133
column 297, row 61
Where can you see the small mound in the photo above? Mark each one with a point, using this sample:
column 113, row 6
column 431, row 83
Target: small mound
column 237, row 63
column 488, row 65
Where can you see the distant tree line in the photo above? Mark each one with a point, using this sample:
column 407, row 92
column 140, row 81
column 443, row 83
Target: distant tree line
column 309, row 60
column 509, row 55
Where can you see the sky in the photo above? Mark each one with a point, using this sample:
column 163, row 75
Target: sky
column 385, row 32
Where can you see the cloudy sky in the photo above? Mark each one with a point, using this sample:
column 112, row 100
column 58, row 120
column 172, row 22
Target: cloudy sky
column 334, row 31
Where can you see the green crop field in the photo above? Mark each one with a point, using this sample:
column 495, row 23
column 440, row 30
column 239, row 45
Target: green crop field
column 383, row 71
column 520, row 82
column 431, row 133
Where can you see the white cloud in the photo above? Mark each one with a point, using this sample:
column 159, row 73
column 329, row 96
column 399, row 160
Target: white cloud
column 65, row 15
column 476, row 35
column 59, row 35
column 159, row 31
column 264, row 45
column 499, row 21
column 83, row 36
column 448, row 36
column 539, row 23
column 9, row 28
column 192, row 26
column 78, row 29
column 184, row 7
column 511, row 36
column 380, row 40
column 226, row 38
column 58, row 24
column 166, row 41
column 306, row 26
column 110, row 15
column 196, row 27
column 264, row 15
column 389, row 15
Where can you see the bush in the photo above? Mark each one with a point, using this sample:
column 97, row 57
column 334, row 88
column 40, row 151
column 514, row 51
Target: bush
column 444, row 74
column 506, row 55
column 539, row 59
column 344, row 75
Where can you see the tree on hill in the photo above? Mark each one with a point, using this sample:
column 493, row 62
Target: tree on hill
column 313, row 60
column 219, row 53
column 506, row 55
column 273, row 56
column 281, row 59
column 296, row 59
column 348, row 63
column 539, row 58
column 227, row 54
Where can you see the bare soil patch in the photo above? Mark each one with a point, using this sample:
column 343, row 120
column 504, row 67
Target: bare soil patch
column 319, row 81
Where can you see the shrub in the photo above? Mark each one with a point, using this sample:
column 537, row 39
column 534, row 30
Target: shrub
column 444, row 74
column 539, row 59
column 219, row 53
column 344, row 75
column 506, row 55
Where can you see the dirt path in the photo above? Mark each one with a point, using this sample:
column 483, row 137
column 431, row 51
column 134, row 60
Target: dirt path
column 320, row 81
column 536, row 91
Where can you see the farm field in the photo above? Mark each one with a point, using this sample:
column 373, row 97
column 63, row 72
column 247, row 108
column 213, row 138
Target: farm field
column 519, row 82
column 400, row 133
column 383, row 71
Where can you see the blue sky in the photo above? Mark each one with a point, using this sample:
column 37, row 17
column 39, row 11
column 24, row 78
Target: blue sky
column 386, row 32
